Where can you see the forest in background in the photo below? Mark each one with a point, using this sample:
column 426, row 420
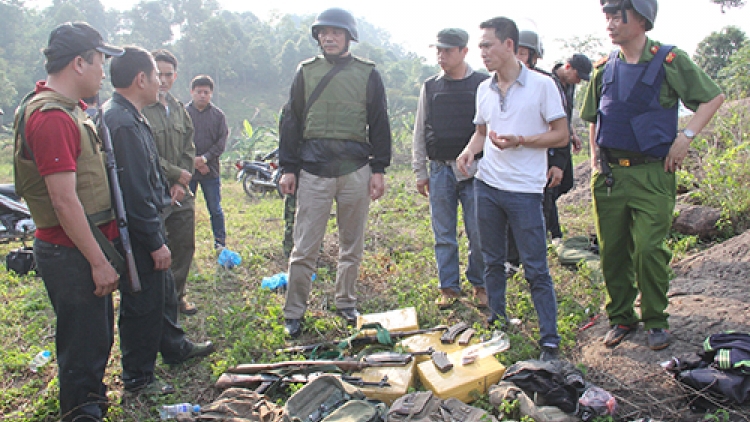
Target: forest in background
column 253, row 61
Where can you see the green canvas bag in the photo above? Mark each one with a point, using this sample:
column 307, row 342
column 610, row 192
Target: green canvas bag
column 328, row 399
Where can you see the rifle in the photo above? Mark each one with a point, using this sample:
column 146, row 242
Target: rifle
column 344, row 365
column 265, row 381
column 121, row 217
column 360, row 341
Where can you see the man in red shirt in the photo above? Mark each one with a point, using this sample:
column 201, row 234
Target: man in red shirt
column 60, row 172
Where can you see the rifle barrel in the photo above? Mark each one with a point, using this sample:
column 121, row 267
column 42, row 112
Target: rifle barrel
column 344, row 365
column 119, row 205
column 263, row 381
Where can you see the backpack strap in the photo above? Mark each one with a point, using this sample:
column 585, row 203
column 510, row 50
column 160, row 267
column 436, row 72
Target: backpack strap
column 321, row 86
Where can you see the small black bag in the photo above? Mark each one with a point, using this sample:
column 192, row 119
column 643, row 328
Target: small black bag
column 20, row 260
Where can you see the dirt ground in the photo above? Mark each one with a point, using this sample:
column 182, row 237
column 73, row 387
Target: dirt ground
column 710, row 294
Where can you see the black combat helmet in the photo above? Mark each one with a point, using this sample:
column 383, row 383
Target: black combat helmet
column 645, row 8
column 530, row 40
column 337, row 18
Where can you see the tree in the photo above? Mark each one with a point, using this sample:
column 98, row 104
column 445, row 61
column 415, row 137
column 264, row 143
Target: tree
column 714, row 51
column 591, row 46
column 728, row 4
column 734, row 78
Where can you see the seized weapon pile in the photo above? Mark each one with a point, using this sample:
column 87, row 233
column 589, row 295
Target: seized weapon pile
column 264, row 377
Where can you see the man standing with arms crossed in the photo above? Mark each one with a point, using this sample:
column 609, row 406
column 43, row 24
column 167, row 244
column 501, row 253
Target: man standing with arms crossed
column 442, row 128
column 211, row 134
column 59, row 170
column 336, row 146
column 519, row 115
column 632, row 105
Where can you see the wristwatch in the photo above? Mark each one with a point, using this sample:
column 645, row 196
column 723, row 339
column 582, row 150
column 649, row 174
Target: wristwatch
column 688, row 133
column 205, row 160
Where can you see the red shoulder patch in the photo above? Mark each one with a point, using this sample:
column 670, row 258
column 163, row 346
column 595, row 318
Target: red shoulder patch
column 601, row 61
column 670, row 57
column 654, row 49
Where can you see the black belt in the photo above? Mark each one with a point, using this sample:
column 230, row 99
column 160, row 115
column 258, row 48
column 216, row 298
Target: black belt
column 635, row 161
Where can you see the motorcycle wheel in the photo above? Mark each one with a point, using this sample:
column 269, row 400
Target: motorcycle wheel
column 247, row 184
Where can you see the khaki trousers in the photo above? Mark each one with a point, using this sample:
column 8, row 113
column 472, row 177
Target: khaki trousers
column 315, row 196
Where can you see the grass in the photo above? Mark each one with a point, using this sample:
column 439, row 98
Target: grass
column 246, row 321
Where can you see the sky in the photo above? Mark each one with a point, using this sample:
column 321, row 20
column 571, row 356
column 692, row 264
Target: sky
column 414, row 24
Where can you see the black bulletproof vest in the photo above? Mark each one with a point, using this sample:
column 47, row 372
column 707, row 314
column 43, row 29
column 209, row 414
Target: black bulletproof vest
column 451, row 105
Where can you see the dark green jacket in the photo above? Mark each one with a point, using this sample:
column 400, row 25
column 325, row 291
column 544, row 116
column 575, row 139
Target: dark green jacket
column 173, row 134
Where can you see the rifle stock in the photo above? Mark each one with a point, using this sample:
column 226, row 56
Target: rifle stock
column 122, row 220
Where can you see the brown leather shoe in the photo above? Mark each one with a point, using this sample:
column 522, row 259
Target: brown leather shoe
column 480, row 296
column 188, row 308
column 447, row 298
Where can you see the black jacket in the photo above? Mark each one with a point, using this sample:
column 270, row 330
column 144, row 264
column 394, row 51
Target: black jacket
column 143, row 184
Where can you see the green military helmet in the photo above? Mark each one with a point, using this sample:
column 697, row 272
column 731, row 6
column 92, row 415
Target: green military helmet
column 336, row 18
column 645, row 8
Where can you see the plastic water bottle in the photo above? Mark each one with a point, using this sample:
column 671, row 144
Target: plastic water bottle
column 39, row 360
column 169, row 411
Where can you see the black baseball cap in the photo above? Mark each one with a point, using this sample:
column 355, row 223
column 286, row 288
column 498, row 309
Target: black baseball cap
column 451, row 37
column 70, row 39
column 582, row 64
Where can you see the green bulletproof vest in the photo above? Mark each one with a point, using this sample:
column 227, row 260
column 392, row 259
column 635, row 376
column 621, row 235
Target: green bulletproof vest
column 341, row 110
column 92, row 184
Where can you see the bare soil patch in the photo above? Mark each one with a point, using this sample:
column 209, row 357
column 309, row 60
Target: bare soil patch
column 710, row 294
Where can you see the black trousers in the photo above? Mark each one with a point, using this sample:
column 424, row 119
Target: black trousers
column 85, row 329
column 141, row 321
column 174, row 344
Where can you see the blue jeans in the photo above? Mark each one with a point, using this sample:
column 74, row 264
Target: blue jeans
column 212, row 195
column 496, row 209
column 445, row 194
column 85, row 329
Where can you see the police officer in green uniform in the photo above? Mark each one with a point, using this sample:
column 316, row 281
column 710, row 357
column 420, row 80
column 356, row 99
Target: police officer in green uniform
column 335, row 144
column 636, row 148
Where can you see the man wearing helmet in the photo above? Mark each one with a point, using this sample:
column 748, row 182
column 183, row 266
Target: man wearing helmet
column 335, row 144
column 636, row 148
column 530, row 48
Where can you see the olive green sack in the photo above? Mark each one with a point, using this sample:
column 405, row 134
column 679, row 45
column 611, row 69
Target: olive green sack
column 328, row 399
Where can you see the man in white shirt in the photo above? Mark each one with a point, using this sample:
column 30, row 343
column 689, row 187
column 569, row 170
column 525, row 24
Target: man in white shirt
column 519, row 115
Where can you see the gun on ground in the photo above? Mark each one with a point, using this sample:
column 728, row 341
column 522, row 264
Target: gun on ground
column 262, row 382
column 119, row 205
column 351, row 365
column 361, row 341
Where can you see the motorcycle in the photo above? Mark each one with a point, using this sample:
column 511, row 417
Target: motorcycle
column 15, row 218
column 260, row 176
